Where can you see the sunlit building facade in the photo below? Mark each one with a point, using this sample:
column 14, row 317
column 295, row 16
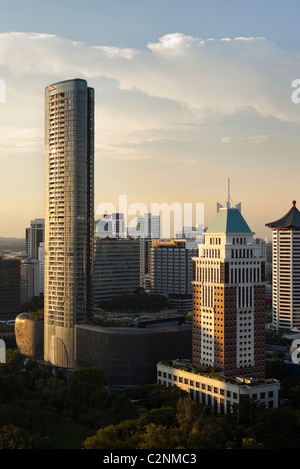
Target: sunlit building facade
column 171, row 270
column 69, row 221
column 229, row 299
column 228, row 351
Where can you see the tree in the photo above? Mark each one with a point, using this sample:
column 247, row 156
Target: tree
column 160, row 437
column 86, row 387
column 12, row 437
column 251, row 443
column 14, row 360
column 106, row 438
column 189, row 415
column 154, row 396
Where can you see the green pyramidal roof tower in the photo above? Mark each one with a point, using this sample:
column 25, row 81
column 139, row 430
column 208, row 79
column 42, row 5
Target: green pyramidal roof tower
column 229, row 219
column 228, row 294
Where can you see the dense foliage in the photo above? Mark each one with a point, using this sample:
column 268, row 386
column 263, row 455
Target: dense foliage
column 36, row 406
column 139, row 301
column 189, row 425
column 32, row 400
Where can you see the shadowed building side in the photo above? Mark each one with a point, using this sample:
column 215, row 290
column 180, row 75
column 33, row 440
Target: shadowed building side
column 128, row 356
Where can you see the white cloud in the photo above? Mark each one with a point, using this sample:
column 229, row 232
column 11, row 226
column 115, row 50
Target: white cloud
column 183, row 87
column 251, row 139
column 222, row 75
column 172, row 105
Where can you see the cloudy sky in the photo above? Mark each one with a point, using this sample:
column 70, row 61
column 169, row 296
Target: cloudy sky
column 188, row 94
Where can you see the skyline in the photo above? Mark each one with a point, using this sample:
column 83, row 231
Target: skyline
column 165, row 129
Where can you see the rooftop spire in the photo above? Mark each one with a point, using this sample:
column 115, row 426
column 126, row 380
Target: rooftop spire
column 228, row 199
column 228, row 203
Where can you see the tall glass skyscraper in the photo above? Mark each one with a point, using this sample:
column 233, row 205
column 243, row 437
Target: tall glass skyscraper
column 69, row 220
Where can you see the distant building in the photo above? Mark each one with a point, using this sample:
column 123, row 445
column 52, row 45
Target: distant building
column 116, row 268
column 41, row 258
column 148, row 226
column 172, row 270
column 262, row 247
column 286, row 270
column 9, row 288
column 29, row 280
column 111, row 226
column 191, row 232
column 35, row 235
column 148, row 229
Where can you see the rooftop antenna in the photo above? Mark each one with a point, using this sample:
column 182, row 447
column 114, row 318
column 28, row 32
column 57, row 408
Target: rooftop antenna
column 228, row 203
column 228, row 199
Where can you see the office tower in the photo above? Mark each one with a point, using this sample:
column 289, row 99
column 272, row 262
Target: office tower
column 116, row 268
column 9, row 288
column 69, row 222
column 172, row 271
column 229, row 298
column 286, row 270
column 148, row 228
column 35, row 235
column 29, row 279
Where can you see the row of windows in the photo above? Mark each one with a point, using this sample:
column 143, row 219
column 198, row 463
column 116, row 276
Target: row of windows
column 215, row 240
column 212, row 389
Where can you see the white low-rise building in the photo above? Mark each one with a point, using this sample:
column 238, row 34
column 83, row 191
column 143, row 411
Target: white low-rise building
column 216, row 390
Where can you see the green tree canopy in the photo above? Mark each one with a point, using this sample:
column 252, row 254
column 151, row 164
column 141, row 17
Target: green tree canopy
column 12, row 437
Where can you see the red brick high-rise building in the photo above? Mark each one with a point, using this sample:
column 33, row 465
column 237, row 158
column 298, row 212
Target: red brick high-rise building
column 229, row 299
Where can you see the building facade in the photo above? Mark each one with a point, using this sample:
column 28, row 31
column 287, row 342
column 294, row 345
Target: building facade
column 30, row 279
column 9, row 288
column 129, row 355
column 172, row 270
column 228, row 357
column 116, row 268
column 111, row 226
column 216, row 391
column 41, row 258
column 69, row 221
column 229, row 299
column 35, row 235
column 29, row 333
column 286, row 270
column 148, row 228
